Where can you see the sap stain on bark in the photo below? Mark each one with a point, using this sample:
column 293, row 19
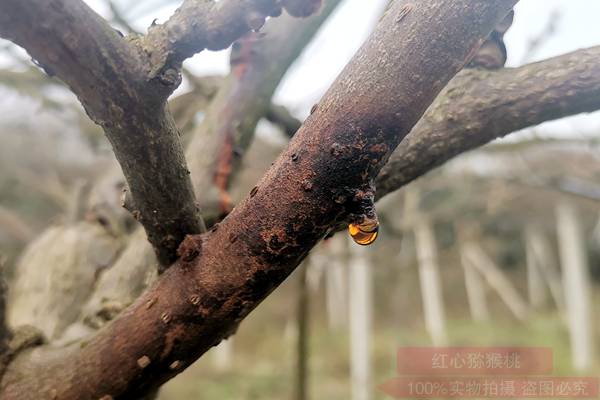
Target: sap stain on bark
column 190, row 248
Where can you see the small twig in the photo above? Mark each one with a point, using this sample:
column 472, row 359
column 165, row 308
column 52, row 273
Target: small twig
column 537, row 41
column 120, row 19
column 281, row 116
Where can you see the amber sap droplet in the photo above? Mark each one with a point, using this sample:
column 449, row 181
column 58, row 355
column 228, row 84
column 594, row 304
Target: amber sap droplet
column 364, row 233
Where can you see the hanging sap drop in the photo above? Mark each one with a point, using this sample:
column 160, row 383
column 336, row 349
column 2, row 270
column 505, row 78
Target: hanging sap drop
column 364, row 233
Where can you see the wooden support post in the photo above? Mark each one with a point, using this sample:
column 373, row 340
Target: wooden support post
column 303, row 323
column 360, row 322
column 535, row 279
column 475, row 290
column 315, row 270
column 223, row 355
column 543, row 252
column 496, row 279
column 429, row 277
column 576, row 284
column 429, row 274
column 336, row 282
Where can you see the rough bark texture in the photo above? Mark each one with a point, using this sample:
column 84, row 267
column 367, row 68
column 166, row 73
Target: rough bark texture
column 244, row 96
column 201, row 24
column 258, row 63
column 124, row 83
column 281, row 116
column 322, row 179
column 51, row 299
column 479, row 106
column 108, row 73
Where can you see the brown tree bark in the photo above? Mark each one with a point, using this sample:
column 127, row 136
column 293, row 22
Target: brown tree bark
column 323, row 179
column 200, row 24
column 479, row 106
column 244, row 97
column 124, row 83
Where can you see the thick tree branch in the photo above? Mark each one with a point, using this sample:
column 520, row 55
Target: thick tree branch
column 322, row 179
column 123, row 85
column 251, row 89
column 479, row 106
column 107, row 73
column 281, row 116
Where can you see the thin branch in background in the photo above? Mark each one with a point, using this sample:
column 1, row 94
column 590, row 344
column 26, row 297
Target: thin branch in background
column 535, row 43
column 119, row 18
column 205, row 85
column 49, row 185
column 281, row 116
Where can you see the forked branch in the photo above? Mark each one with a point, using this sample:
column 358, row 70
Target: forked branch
column 321, row 180
column 479, row 106
column 123, row 84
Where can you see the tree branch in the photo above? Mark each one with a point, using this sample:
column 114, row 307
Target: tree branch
column 123, row 85
column 322, row 179
column 107, row 73
column 258, row 63
column 244, row 95
column 201, row 24
column 479, row 106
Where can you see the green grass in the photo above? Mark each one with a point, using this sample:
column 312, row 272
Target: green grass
column 264, row 358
